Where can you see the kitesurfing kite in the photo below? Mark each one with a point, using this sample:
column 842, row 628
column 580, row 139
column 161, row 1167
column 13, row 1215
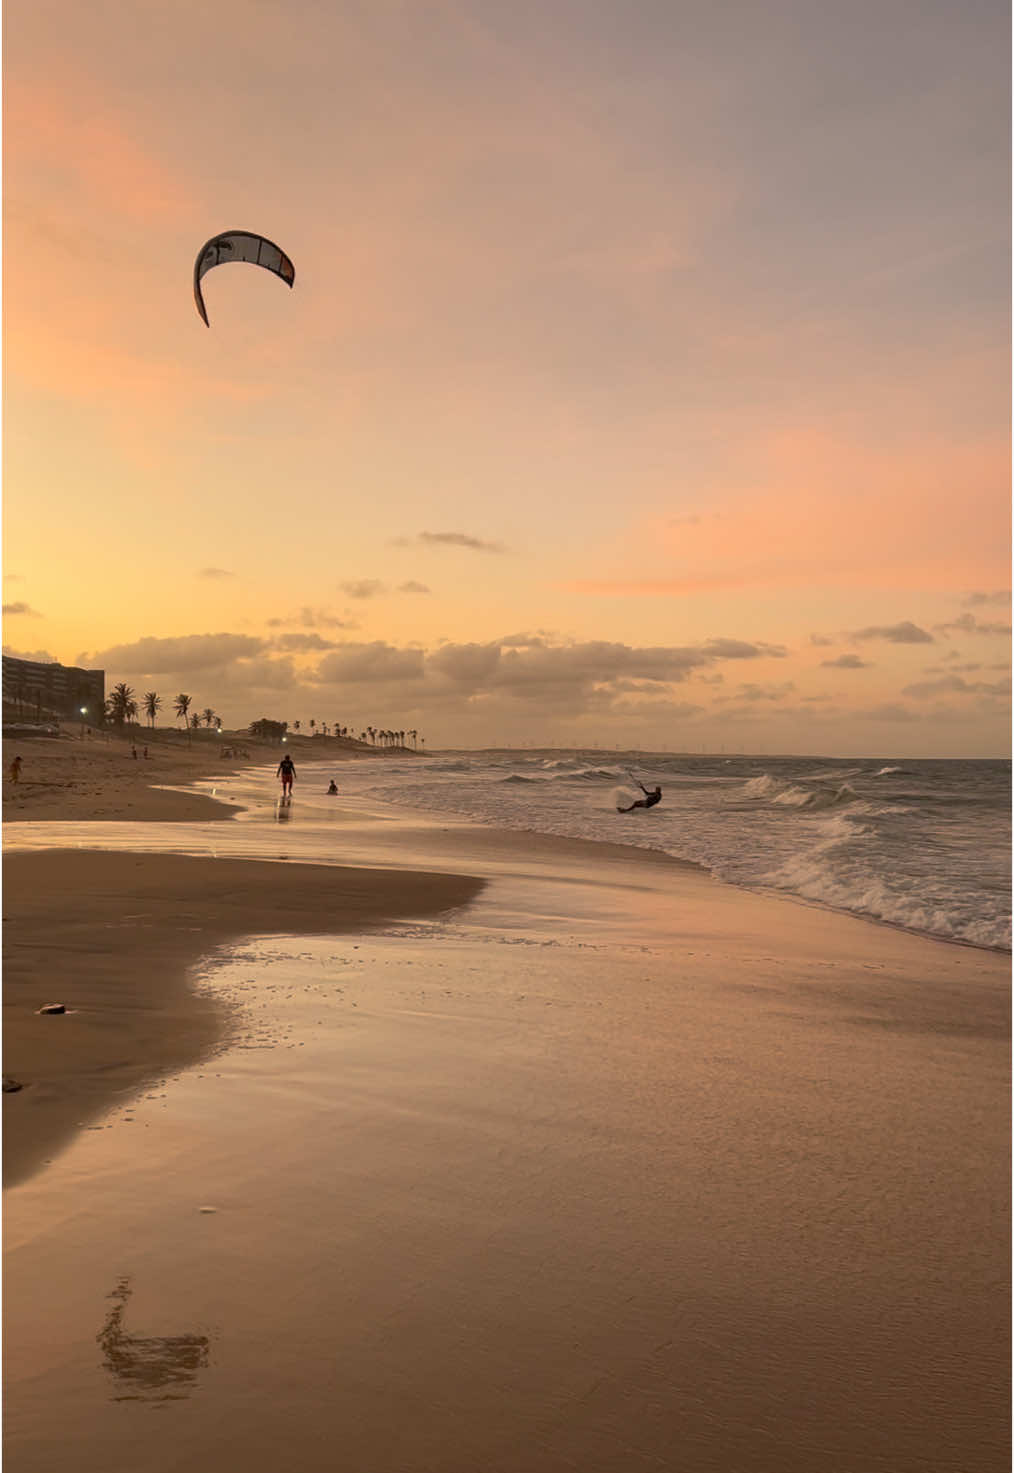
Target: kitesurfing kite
column 239, row 245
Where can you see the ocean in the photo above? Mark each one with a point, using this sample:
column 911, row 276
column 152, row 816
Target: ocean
column 925, row 845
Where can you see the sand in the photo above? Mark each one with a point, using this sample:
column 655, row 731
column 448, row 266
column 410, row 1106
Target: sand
column 96, row 777
column 111, row 936
column 607, row 1167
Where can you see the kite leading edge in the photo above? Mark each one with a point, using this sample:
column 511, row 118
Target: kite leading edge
column 239, row 245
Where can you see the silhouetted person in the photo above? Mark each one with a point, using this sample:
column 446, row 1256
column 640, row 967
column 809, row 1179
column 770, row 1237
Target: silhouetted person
column 286, row 771
column 332, row 789
column 15, row 770
column 651, row 797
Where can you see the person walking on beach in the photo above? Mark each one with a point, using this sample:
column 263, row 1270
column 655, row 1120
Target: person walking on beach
column 648, row 801
column 286, row 771
column 15, row 770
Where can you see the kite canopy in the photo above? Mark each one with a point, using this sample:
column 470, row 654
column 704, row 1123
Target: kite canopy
column 239, row 245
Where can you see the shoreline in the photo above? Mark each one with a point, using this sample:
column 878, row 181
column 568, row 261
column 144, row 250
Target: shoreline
column 97, row 778
column 114, row 937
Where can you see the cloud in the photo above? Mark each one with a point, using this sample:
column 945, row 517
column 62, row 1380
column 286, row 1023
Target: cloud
column 888, row 712
column 9, row 610
column 184, row 653
column 821, row 641
column 904, row 633
column 976, row 600
column 754, row 692
column 413, row 587
column 215, row 573
column 738, row 649
column 309, row 617
column 472, row 664
column 451, row 539
column 300, row 643
column 363, row 587
column 369, row 664
column 38, row 657
column 955, row 685
column 846, row 662
column 968, row 624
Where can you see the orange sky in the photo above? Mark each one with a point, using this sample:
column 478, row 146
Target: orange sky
column 641, row 360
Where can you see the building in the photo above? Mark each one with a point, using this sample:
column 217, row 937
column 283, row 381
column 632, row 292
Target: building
column 33, row 692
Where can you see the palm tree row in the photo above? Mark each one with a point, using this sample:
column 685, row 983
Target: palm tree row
column 122, row 708
column 376, row 736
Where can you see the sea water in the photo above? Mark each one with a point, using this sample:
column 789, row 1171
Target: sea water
column 925, row 845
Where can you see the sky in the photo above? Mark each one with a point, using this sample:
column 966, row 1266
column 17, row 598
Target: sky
column 645, row 380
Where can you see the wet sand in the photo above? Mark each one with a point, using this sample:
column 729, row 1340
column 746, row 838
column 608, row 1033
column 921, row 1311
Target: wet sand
column 111, row 936
column 612, row 1168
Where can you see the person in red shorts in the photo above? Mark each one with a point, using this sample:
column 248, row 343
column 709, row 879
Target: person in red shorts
column 286, row 771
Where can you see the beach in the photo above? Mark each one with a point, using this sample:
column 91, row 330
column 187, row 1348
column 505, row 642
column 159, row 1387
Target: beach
column 476, row 1149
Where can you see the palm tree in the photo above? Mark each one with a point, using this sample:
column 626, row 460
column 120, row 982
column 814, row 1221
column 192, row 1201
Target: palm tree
column 415, row 739
column 295, row 726
column 183, row 706
column 122, row 706
column 208, row 716
column 152, row 702
column 195, row 721
column 312, row 725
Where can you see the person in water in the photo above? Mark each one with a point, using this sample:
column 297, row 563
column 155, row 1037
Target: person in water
column 651, row 797
column 333, row 788
column 286, row 771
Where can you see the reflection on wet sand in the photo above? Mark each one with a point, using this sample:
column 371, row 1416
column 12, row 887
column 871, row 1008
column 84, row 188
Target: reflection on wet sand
column 153, row 1368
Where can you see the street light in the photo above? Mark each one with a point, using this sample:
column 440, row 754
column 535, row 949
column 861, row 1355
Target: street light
column 84, row 713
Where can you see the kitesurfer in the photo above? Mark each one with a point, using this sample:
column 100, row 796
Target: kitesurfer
column 651, row 797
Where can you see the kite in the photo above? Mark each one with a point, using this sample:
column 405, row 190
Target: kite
column 239, row 245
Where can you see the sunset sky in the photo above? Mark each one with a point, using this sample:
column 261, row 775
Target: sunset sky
column 644, row 382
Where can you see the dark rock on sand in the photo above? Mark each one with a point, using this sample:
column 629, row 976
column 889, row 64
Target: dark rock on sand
column 54, row 1007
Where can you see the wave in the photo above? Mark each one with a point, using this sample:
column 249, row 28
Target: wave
column 760, row 787
column 886, row 771
column 812, row 877
column 817, row 798
column 787, row 795
column 517, row 777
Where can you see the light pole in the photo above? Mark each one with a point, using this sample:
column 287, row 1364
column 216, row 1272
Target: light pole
column 84, row 713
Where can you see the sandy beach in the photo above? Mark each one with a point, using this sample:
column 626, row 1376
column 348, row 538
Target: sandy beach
column 98, row 777
column 474, row 1150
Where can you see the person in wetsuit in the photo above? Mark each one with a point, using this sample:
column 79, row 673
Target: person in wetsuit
column 651, row 797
